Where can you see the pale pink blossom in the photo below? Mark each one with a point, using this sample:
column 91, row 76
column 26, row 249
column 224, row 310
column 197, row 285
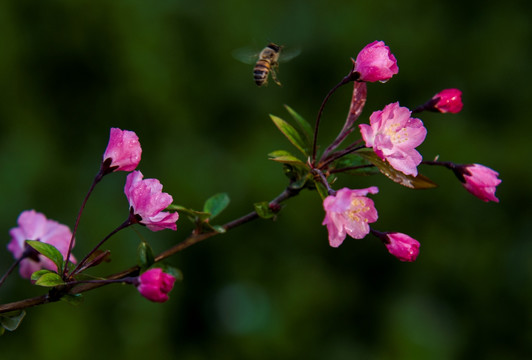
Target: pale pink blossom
column 155, row 285
column 402, row 246
column 33, row 225
column 147, row 202
column 394, row 135
column 123, row 149
column 349, row 212
column 448, row 100
column 480, row 181
column 375, row 62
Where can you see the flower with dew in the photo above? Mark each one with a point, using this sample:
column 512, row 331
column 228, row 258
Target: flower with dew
column 123, row 150
column 448, row 100
column 401, row 246
column 375, row 62
column 394, row 135
column 479, row 180
column 33, row 225
column 349, row 212
column 155, row 285
column 147, row 202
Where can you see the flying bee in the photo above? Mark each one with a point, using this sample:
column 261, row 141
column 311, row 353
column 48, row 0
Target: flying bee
column 266, row 62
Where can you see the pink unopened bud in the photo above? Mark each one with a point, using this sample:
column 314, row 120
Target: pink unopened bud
column 375, row 62
column 479, row 180
column 123, row 149
column 155, row 285
column 448, row 100
column 402, row 246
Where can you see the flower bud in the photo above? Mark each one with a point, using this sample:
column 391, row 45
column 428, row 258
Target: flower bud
column 123, row 151
column 155, row 285
column 375, row 62
column 402, row 246
column 479, row 180
column 448, row 100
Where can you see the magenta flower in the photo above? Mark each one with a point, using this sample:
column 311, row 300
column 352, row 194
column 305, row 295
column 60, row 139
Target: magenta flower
column 155, row 285
column 480, row 181
column 33, row 225
column 123, row 150
column 448, row 100
column 394, row 135
column 348, row 213
column 401, row 246
column 375, row 62
column 147, row 202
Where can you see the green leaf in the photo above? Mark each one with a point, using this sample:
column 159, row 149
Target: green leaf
column 291, row 134
column 145, row 257
column 11, row 320
column 192, row 213
column 358, row 165
column 49, row 251
column 322, row 190
column 169, row 269
column 305, row 126
column 417, row 182
column 263, row 210
column 216, row 204
column 73, row 299
column 49, row 279
column 218, row 228
column 37, row 274
column 285, row 157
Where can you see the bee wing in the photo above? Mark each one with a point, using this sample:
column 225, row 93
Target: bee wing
column 289, row 54
column 246, row 55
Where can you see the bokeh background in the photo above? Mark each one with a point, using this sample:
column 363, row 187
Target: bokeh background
column 70, row 70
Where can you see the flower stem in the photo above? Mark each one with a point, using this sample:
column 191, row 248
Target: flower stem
column 96, row 180
column 10, row 270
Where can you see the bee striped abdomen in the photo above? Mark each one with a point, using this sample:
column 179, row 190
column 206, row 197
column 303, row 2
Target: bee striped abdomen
column 261, row 70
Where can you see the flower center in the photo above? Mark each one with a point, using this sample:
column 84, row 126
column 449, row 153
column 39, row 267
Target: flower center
column 396, row 133
column 358, row 206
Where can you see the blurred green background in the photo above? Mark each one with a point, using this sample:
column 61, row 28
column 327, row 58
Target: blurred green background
column 70, row 70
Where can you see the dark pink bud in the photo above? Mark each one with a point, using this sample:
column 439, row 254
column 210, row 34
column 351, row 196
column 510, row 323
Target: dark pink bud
column 155, row 285
column 448, row 100
column 375, row 62
column 123, row 149
column 480, row 181
column 402, row 246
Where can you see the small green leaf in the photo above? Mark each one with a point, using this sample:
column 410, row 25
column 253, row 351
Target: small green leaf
column 37, row 274
column 305, row 126
column 11, row 320
column 216, row 204
column 145, row 257
column 73, row 299
column 263, row 210
column 194, row 214
column 322, row 190
column 291, row 134
column 169, row 269
column 49, row 279
column 49, row 251
column 218, row 228
column 417, row 182
column 356, row 165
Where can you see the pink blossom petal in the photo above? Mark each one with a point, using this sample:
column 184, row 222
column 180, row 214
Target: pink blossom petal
column 375, row 62
column 123, row 149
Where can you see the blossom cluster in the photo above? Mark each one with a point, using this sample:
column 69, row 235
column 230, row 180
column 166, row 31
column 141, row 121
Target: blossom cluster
column 147, row 203
column 393, row 135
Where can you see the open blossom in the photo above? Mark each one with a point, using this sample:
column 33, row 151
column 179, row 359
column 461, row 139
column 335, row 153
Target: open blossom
column 394, row 135
column 33, row 225
column 375, row 62
column 123, row 149
column 148, row 202
column 348, row 213
column 480, row 181
column 448, row 100
column 402, row 246
column 155, row 285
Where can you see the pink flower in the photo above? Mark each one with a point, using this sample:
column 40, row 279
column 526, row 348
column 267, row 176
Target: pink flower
column 148, row 202
column 123, row 149
column 402, row 246
column 33, row 225
column 155, row 285
column 480, row 181
column 375, row 62
column 394, row 135
column 449, row 100
column 349, row 212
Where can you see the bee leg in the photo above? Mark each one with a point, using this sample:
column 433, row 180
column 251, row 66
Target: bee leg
column 274, row 74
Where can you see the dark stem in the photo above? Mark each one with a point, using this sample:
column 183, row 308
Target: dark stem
column 10, row 270
column 334, row 171
column 335, row 156
column 96, row 180
column 324, row 181
column 125, row 224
